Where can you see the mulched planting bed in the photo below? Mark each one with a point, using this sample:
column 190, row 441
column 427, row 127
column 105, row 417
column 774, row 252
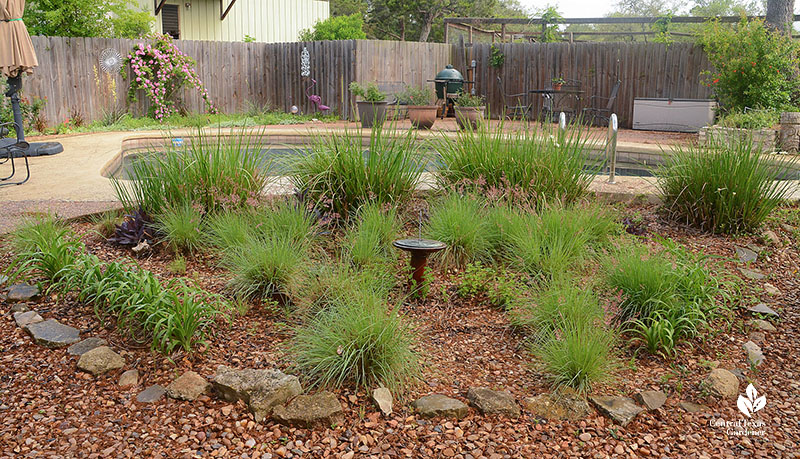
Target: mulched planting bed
column 49, row 409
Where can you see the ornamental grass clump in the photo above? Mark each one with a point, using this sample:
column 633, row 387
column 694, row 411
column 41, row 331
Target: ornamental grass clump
column 724, row 187
column 212, row 173
column 531, row 165
column 368, row 241
column 181, row 227
column 457, row 220
column 339, row 174
column 265, row 267
column 43, row 246
column 358, row 341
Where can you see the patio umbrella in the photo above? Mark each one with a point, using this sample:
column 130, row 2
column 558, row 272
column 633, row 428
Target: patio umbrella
column 16, row 49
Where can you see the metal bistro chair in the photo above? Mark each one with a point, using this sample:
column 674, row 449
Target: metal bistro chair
column 568, row 102
column 597, row 112
column 520, row 109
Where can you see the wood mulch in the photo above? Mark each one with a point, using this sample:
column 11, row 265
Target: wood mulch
column 48, row 409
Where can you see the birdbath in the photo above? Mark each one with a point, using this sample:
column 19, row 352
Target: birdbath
column 419, row 249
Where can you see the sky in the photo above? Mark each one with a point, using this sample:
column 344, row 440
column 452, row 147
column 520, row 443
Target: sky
column 574, row 8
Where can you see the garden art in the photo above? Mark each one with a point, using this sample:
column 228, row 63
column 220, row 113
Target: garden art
column 211, row 320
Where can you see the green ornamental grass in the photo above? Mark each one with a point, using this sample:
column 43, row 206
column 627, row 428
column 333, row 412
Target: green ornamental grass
column 457, row 221
column 181, row 227
column 369, row 238
column 265, row 267
column 724, row 188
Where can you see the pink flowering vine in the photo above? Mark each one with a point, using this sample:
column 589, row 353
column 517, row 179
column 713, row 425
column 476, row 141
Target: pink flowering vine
column 161, row 70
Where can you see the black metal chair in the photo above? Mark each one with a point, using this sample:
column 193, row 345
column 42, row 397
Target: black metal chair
column 600, row 108
column 520, row 108
column 567, row 102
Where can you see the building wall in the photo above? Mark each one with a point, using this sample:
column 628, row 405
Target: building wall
column 269, row 21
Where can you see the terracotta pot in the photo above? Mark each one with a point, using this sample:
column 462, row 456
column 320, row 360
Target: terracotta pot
column 557, row 86
column 371, row 113
column 469, row 117
column 422, row 116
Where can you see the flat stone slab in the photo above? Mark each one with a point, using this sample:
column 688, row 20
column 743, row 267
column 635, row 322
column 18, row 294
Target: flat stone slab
column 100, row 360
column 762, row 325
column 558, row 407
column 439, row 405
column 762, row 308
column 651, row 399
column 3, row 279
column 188, row 386
column 261, row 390
column 129, row 378
column 53, row 334
column 22, row 292
column 86, row 345
column 322, row 409
column 754, row 355
column 722, row 383
column 746, row 255
column 490, row 402
column 23, row 319
column 19, row 307
column 691, row 407
column 619, row 409
column 152, row 394
column 771, row 289
column 752, row 274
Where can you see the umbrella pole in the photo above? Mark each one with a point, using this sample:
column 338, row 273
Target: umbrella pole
column 14, row 85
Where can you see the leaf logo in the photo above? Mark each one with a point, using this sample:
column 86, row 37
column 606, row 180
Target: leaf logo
column 752, row 403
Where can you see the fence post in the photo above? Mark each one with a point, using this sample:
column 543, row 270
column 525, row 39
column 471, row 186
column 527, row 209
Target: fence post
column 611, row 147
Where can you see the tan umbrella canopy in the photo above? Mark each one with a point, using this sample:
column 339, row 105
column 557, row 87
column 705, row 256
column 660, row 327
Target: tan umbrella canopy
column 16, row 49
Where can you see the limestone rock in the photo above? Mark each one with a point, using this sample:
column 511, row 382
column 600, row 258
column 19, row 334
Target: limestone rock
column 19, row 307
column 439, row 405
column 771, row 238
column 53, row 334
column 261, row 390
column 722, row 383
column 752, row 274
column 129, row 378
column 763, row 325
column 188, row 386
column 691, row 407
column 754, row 355
column 489, row 401
column 86, row 345
column 771, row 289
column 762, row 308
column 558, row 406
column 152, row 394
column 620, row 409
column 382, row 398
column 746, row 255
column 757, row 337
column 651, row 399
column 322, row 409
column 3, row 279
column 23, row 319
column 22, row 292
column 100, row 360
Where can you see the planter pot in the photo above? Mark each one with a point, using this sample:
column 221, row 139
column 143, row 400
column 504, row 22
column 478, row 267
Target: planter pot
column 763, row 139
column 371, row 113
column 557, row 86
column 469, row 117
column 422, row 116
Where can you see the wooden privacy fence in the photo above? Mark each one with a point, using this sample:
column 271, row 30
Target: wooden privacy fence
column 645, row 70
column 239, row 74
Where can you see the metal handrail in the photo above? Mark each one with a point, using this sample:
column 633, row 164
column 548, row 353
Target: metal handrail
column 611, row 147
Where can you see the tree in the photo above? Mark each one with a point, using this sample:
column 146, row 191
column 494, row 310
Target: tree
column 86, row 18
column 336, row 28
column 780, row 15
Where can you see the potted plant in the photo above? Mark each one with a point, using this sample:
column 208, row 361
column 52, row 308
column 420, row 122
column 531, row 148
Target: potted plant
column 469, row 110
column 557, row 83
column 421, row 112
column 372, row 107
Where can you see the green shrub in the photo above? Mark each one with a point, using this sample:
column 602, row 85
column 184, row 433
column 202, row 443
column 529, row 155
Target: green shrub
column 43, row 246
column 750, row 119
column 369, row 238
column 265, row 267
column 368, row 92
column 456, row 220
column 516, row 166
column 577, row 356
column 358, row 340
column 498, row 286
column 723, row 188
column 754, row 66
column 181, row 228
column 339, row 176
column 336, row 28
column 214, row 173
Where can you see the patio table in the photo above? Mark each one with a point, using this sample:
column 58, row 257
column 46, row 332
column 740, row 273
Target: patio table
column 550, row 93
